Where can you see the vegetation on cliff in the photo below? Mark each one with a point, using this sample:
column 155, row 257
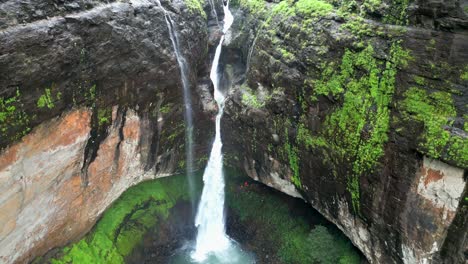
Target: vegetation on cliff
column 14, row 121
column 292, row 238
column 123, row 225
column 357, row 87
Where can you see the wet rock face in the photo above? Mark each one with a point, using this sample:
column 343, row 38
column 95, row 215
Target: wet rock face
column 21, row 12
column 91, row 104
column 113, row 53
column 43, row 190
column 439, row 14
column 303, row 121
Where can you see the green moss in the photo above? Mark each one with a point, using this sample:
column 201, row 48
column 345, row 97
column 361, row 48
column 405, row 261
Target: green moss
column 465, row 124
column 104, row 116
column 397, row 12
column 393, row 11
column 464, row 76
column 436, row 110
column 123, row 225
column 304, row 136
column 14, row 121
column 357, row 131
column 291, row 152
column 255, row 7
column 293, row 164
column 166, row 108
column 46, row 100
column 371, row 5
column 283, row 9
column 250, row 99
column 287, row 56
column 196, row 7
column 359, row 27
column 419, row 80
column 90, row 96
column 311, row 8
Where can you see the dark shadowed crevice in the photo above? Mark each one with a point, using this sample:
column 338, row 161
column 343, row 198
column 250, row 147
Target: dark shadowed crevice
column 98, row 133
column 121, row 118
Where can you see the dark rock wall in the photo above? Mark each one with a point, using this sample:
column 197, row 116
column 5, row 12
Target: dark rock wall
column 91, row 103
column 354, row 108
column 359, row 107
column 112, row 54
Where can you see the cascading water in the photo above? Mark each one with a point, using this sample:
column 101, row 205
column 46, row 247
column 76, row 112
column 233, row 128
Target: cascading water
column 187, row 101
column 212, row 245
column 210, row 216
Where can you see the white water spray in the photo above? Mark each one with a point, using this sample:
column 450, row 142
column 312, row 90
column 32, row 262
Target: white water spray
column 211, row 237
column 187, row 100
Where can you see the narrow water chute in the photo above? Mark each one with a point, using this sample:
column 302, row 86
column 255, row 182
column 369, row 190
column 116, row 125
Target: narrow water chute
column 211, row 236
column 184, row 73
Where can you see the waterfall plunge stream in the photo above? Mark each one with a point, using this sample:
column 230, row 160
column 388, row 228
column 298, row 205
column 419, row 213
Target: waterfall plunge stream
column 212, row 244
column 210, row 216
column 187, row 101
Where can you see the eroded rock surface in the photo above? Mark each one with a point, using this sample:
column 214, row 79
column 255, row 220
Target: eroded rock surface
column 95, row 89
column 363, row 113
column 358, row 107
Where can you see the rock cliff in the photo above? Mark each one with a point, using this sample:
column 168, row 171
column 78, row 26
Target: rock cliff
column 91, row 104
column 358, row 107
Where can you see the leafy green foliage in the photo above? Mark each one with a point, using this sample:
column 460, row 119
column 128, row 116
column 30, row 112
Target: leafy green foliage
column 321, row 240
column 166, row 108
column 291, row 236
column 196, row 7
column 14, row 121
column 46, row 100
column 250, row 99
column 104, row 116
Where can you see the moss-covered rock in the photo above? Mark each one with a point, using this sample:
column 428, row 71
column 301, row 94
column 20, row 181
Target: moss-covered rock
column 124, row 224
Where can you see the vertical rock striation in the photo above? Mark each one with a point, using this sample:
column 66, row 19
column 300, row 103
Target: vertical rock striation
column 360, row 108
column 91, row 104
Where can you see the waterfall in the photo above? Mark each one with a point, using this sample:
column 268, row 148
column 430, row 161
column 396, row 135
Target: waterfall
column 187, row 101
column 210, row 220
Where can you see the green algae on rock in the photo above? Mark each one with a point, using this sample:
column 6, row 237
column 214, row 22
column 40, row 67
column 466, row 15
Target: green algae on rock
column 124, row 224
column 437, row 112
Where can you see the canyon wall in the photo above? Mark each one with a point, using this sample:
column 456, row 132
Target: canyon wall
column 360, row 108
column 91, row 104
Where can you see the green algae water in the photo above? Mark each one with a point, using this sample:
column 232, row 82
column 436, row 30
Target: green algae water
column 151, row 223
